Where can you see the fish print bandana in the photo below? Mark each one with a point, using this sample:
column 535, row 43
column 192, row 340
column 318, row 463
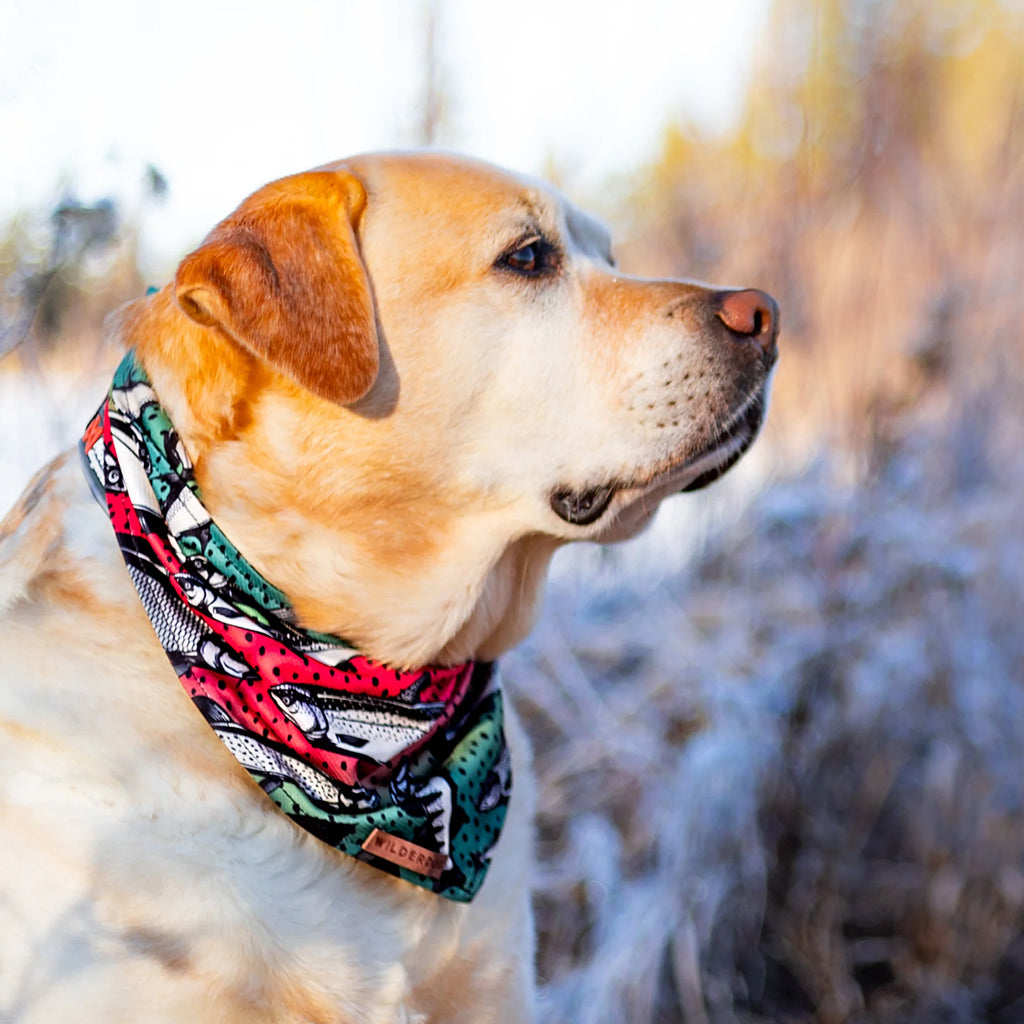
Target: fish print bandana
column 405, row 770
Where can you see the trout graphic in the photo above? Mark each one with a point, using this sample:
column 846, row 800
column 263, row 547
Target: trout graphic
column 260, row 756
column 367, row 727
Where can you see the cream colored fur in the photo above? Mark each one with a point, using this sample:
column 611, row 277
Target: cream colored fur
column 143, row 876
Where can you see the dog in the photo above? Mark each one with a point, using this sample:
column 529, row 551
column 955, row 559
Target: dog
column 399, row 383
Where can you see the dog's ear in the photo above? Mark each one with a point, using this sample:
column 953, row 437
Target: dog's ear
column 283, row 277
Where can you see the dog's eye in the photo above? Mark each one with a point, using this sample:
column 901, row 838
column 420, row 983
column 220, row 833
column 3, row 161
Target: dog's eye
column 524, row 260
column 532, row 259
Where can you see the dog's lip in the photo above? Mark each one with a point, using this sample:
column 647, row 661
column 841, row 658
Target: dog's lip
column 695, row 472
column 730, row 446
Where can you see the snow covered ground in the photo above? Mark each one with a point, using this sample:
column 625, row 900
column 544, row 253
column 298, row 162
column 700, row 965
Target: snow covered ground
column 40, row 415
column 781, row 766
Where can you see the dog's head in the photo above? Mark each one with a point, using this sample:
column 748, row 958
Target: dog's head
column 407, row 378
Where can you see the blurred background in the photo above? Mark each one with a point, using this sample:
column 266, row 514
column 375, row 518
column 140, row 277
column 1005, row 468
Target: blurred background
column 792, row 786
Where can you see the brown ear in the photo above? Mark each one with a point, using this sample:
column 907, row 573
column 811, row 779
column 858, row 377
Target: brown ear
column 283, row 277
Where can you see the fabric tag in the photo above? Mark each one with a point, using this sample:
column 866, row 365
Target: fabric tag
column 404, row 854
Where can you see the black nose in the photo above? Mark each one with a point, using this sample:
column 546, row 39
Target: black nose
column 752, row 314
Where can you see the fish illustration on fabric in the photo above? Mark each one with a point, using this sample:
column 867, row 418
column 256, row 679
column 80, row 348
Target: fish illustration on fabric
column 219, row 656
column 365, row 727
column 184, row 637
column 206, row 598
column 209, row 592
column 434, row 797
column 498, row 784
column 257, row 755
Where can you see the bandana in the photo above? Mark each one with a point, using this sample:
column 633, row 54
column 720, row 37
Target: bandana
column 405, row 770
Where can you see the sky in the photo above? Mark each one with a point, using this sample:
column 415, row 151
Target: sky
column 222, row 97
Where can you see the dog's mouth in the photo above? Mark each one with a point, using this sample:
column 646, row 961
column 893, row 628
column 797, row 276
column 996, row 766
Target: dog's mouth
column 730, row 446
column 695, row 472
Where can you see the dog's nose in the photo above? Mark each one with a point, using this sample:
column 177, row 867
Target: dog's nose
column 752, row 314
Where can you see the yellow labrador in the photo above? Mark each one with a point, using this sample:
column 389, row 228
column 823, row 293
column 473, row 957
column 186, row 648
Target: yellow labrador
column 402, row 381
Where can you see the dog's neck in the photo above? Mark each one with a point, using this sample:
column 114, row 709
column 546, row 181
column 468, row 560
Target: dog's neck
column 365, row 551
